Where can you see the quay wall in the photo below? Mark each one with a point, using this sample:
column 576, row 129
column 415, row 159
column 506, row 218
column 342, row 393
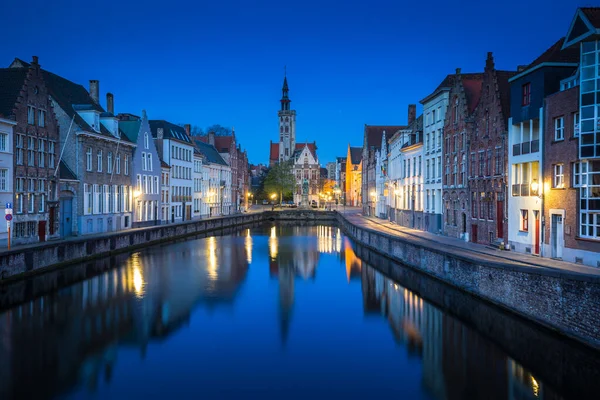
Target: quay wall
column 563, row 301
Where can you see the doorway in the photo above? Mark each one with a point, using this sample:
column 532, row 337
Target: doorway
column 557, row 235
column 42, row 231
column 500, row 219
column 474, row 233
column 536, row 232
column 66, row 206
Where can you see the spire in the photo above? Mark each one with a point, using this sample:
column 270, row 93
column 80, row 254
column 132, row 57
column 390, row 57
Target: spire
column 285, row 100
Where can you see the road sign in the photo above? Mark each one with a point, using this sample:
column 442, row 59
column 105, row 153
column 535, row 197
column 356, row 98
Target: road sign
column 8, row 211
column 8, row 217
column 8, row 205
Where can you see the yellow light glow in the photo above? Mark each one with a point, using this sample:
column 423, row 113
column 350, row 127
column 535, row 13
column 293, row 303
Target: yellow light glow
column 138, row 282
column 535, row 386
column 273, row 196
column 248, row 246
column 212, row 258
column 373, row 194
column 534, row 186
column 136, row 193
column 273, row 243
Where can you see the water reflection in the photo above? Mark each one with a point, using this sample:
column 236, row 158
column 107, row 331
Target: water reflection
column 198, row 306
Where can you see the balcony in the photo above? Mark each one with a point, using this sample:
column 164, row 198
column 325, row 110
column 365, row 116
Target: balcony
column 520, row 189
column 526, row 147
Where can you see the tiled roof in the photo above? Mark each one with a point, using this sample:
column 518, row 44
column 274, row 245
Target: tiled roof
column 356, row 155
column 131, row 129
column 447, row 84
column 555, row 54
column 164, row 164
column 210, row 152
column 593, row 15
column 375, row 133
column 11, row 83
column 64, row 172
column 223, row 143
column 312, row 147
column 472, row 85
column 170, row 131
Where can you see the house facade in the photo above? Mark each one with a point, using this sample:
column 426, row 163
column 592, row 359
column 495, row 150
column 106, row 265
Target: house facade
column 6, row 170
column 354, row 176
column 197, row 175
column 307, row 170
column 526, row 143
column 165, row 191
column 175, row 147
column 458, row 124
column 435, row 106
column 488, row 149
column 34, row 178
column 216, row 182
column 146, row 171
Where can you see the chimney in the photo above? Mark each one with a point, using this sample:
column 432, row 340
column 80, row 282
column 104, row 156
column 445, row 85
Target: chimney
column 34, row 60
column 211, row 138
column 188, row 129
column 412, row 113
column 457, row 71
column 110, row 103
column 489, row 62
column 95, row 90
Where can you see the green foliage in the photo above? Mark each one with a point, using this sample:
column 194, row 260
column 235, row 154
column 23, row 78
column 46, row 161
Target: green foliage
column 280, row 180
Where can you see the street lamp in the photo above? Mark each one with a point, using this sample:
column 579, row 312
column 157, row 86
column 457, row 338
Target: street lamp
column 535, row 186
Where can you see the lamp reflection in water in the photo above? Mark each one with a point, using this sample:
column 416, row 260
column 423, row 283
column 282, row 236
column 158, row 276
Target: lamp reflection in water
column 212, row 258
column 135, row 277
column 327, row 242
column 248, row 246
column 273, row 243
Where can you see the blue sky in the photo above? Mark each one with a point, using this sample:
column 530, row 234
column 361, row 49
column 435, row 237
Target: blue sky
column 348, row 63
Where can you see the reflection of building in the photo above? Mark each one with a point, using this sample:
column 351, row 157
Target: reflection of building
column 353, row 263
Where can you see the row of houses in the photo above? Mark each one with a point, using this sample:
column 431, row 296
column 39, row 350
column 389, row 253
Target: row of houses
column 70, row 166
column 509, row 158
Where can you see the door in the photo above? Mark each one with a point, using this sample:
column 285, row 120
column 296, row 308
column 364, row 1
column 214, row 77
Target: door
column 536, row 234
column 557, row 235
column 42, row 231
column 500, row 219
column 474, row 233
column 66, row 223
column 52, row 216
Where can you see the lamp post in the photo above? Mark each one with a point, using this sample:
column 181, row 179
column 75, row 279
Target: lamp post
column 537, row 191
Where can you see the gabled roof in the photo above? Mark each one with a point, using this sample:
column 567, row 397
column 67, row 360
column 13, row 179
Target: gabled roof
column 555, row 54
column 170, row 131
column 274, row 152
column 312, row 147
column 503, row 78
column 585, row 24
column 210, row 152
column 131, row 129
column 222, row 142
column 65, row 173
column 472, row 85
column 356, row 155
column 446, row 84
column 11, row 83
column 374, row 133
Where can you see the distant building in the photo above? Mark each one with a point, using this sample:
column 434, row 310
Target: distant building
column 354, row 176
column 165, row 191
column 340, row 178
column 216, row 182
column 306, row 168
column 6, row 169
column 330, row 166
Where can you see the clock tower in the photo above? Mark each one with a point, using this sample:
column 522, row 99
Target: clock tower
column 287, row 125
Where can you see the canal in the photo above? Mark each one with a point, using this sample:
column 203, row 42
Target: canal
column 273, row 311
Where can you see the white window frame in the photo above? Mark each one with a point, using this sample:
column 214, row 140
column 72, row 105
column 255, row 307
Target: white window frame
column 559, row 129
column 42, row 118
column 88, row 156
column 576, row 124
column 30, row 115
column 126, row 166
column 118, row 164
column 558, row 176
column 109, row 159
column 99, row 166
column 4, row 180
column 51, row 149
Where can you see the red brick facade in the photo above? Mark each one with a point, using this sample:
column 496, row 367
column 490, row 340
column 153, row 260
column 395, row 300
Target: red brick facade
column 458, row 125
column 489, row 158
column 36, row 150
column 565, row 152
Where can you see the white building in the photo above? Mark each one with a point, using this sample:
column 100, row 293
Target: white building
column 307, row 171
column 216, row 182
column 165, row 190
column 175, row 147
column 380, row 197
column 6, row 170
column 198, row 178
column 434, row 113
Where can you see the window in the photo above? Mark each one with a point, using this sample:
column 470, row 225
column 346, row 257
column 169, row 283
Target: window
column 576, row 124
column 126, row 165
column 41, row 152
column 499, row 161
column 481, row 163
column 590, row 225
column 97, row 196
column 30, row 151
column 146, row 141
column 156, row 188
column 20, row 203
column 109, row 160
column 490, row 208
column 427, row 169
column 42, row 203
column 474, row 204
column 439, row 167
column 102, row 200
column 118, row 164
column 558, row 178
column 579, row 173
column 99, row 161
column 3, row 180
column 524, row 220
column 88, row 158
column 149, row 157
column 51, row 149
column 31, row 205
column 30, row 115
column 3, row 141
column 526, row 100
column 482, row 204
column 139, row 182
column 144, row 164
column 42, row 118
column 456, row 110
column 87, row 199
column 559, row 128
column 20, row 148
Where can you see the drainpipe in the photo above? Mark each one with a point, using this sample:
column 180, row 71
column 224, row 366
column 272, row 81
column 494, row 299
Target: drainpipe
column 542, row 185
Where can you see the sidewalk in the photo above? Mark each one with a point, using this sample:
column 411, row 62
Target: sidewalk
column 478, row 250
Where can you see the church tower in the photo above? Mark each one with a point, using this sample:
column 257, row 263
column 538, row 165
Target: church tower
column 287, row 125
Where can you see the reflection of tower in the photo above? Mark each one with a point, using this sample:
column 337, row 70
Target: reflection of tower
column 371, row 303
column 286, row 300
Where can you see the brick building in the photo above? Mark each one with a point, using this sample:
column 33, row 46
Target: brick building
column 24, row 99
column 487, row 180
column 458, row 125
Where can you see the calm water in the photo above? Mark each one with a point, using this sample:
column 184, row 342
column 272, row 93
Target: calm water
column 280, row 312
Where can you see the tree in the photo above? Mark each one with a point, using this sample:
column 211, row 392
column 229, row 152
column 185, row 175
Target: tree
column 197, row 131
column 280, row 180
column 219, row 130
